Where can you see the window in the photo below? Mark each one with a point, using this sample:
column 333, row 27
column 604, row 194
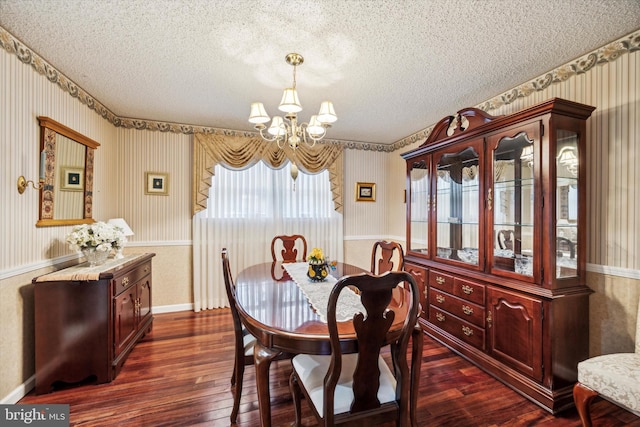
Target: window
column 262, row 192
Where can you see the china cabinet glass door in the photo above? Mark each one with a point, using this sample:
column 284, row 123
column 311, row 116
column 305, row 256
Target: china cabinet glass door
column 511, row 202
column 457, row 207
column 420, row 202
column 566, row 204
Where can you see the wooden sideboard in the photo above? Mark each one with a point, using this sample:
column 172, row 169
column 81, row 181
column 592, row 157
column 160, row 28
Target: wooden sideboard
column 88, row 319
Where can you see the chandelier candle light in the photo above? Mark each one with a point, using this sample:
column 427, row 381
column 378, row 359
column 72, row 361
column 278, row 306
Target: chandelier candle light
column 288, row 130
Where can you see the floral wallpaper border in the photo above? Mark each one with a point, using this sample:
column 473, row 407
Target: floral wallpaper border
column 608, row 53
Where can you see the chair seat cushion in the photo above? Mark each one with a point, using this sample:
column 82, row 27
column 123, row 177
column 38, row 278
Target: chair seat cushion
column 311, row 370
column 615, row 376
column 249, row 342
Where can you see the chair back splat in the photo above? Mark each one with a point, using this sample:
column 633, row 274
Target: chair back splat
column 386, row 256
column 289, row 251
column 347, row 388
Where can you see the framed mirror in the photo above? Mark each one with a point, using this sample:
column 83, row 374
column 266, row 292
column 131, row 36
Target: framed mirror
column 66, row 197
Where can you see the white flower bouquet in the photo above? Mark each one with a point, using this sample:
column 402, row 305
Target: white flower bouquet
column 99, row 236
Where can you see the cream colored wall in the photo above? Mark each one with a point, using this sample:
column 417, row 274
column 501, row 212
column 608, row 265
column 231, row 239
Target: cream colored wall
column 366, row 222
column 172, row 279
column 154, row 218
column 612, row 317
column 162, row 224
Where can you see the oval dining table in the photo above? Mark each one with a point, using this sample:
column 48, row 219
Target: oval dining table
column 276, row 311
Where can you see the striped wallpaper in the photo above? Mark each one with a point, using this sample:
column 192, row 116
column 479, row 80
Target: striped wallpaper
column 613, row 149
column 25, row 95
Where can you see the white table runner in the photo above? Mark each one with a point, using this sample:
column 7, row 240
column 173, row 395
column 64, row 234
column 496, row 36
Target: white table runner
column 83, row 272
column 318, row 293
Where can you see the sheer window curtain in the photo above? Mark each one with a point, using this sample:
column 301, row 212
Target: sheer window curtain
column 246, row 209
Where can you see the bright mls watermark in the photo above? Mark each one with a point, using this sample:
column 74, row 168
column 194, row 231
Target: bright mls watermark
column 34, row 415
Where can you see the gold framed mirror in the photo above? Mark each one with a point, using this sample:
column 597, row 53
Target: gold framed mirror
column 66, row 196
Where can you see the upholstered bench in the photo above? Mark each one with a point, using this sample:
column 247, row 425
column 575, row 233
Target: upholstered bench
column 615, row 377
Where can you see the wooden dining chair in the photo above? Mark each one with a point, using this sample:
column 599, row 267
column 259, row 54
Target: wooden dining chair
column 386, row 256
column 290, row 248
column 505, row 239
column 244, row 341
column 346, row 389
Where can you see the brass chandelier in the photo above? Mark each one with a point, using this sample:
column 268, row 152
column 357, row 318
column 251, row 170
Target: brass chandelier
column 287, row 130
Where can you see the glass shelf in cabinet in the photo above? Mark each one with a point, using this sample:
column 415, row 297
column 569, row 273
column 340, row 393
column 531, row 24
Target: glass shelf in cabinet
column 511, row 224
column 451, row 221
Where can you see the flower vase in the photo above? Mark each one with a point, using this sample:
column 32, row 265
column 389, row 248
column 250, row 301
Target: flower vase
column 318, row 270
column 94, row 256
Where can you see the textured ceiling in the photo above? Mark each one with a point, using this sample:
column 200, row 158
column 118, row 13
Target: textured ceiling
column 391, row 68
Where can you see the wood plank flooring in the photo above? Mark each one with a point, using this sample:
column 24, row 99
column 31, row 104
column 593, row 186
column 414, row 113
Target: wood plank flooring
column 179, row 376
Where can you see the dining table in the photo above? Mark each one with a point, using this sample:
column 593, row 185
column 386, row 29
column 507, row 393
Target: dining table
column 286, row 314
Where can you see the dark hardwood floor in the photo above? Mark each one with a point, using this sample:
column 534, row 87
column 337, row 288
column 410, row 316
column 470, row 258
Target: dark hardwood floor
column 179, row 376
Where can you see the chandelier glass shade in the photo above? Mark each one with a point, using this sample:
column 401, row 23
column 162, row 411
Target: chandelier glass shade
column 286, row 130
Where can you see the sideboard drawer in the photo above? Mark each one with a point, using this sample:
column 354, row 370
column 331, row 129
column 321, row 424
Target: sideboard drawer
column 471, row 291
column 442, row 281
column 457, row 327
column 130, row 278
column 461, row 308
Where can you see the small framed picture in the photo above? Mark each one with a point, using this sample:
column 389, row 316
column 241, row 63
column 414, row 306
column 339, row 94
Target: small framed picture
column 365, row 192
column 157, row 183
column 72, row 179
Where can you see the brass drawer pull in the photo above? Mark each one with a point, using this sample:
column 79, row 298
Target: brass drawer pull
column 440, row 298
column 467, row 289
column 146, row 269
column 440, row 317
column 440, row 280
column 467, row 310
column 125, row 281
column 467, row 331
column 489, row 320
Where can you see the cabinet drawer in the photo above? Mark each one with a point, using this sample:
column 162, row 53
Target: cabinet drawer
column 465, row 331
column 468, row 290
column 130, row 278
column 463, row 309
column 442, row 281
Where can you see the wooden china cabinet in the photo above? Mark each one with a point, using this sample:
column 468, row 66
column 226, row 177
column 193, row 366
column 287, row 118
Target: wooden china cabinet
column 496, row 240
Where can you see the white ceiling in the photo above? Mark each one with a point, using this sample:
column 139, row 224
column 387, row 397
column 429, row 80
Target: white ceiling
column 391, row 67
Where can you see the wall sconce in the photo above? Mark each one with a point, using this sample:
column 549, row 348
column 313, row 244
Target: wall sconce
column 23, row 183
